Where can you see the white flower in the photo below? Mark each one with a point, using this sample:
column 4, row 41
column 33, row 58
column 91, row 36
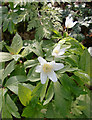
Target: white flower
column 69, row 22
column 46, row 69
column 57, row 52
column 90, row 50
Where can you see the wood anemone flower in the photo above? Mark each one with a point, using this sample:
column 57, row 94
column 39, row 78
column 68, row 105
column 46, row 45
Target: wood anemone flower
column 46, row 69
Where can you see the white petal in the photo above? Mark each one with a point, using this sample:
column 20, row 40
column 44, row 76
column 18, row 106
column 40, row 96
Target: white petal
column 74, row 23
column 52, row 76
column 62, row 51
column 54, row 54
column 56, row 66
column 57, row 47
column 38, row 68
column 41, row 60
column 43, row 77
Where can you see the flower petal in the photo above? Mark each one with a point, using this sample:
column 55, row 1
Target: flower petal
column 52, row 76
column 56, row 66
column 57, row 47
column 62, row 51
column 43, row 77
column 38, row 68
column 41, row 60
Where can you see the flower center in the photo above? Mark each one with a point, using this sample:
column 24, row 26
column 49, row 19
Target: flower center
column 47, row 68
column 56, row 51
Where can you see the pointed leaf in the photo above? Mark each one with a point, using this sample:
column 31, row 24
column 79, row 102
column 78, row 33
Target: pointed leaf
column 5, row 56
column 50, row 94
column 24, row 94
column 17, row 43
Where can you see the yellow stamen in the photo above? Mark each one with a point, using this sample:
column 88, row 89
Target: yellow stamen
column 56, row 51
column 47, row 68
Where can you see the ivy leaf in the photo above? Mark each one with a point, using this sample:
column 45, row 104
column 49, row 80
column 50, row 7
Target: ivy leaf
column 24, row 94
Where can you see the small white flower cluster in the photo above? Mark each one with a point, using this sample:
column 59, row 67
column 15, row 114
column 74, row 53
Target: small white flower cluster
column 46, row 69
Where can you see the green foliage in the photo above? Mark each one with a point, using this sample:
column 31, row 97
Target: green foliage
column 24, row 94
column 21, row 91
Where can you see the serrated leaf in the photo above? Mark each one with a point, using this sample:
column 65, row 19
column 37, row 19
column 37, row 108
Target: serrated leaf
column 24, row 94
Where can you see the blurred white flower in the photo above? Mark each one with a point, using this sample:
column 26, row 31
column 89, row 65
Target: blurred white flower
column 69, row 22
column 83, row 5
column 90, row 50
column 57, row 52
column 46, row 69
column 49, row 5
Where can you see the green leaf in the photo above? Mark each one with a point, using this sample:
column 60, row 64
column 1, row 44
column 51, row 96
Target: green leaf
column 39, row 33
column 43, row 90
column 5, row 25
column 5, row 113
column 37, row 49
column 84, row 62
column 62, row 105
column 1, row 98
column 33, row 110
column 12, row 83
column 30, row 63
column 33, row 76
column 10, row 67
column 16, row 57
column 26, row 51
column 32, row 24
column 5, row 57
column 24, row 94
column 19, row 70
column 12, row 108
column 17, row 43
column 37, row 90
column 83, row 76
column 9, row 49
column 11, row 27
column 50, row 94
